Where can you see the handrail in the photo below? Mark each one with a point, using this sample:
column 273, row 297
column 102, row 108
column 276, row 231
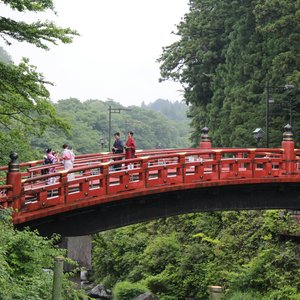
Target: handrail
column 97, row 177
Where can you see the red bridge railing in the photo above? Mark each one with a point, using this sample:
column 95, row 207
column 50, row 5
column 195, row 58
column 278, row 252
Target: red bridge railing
column 94, row 180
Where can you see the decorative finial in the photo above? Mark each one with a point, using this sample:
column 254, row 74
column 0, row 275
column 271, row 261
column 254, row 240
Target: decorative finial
column 288, row 134
column 13, row 165
column 204, row 136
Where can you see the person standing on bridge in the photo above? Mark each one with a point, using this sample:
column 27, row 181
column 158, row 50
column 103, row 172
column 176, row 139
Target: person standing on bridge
column 118, row 148
column 70, row 148
column 130, row 146
column 52, row 159
column 66, row 157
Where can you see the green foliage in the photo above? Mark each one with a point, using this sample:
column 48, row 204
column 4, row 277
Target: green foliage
column 176, row 111
column 179, row 257
column 31, row 108
column 127, row 291
column 38, row 33
column 162, row 251
column 261, row 272
column 244, row 296
column 25, row 257
column 23, row 117
column 89, row 121
column 111, row 247
column 25, row 106
column 225, row 54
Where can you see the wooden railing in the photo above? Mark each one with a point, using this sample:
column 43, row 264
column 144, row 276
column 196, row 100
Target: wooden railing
column 99, row 182
column 95, row 179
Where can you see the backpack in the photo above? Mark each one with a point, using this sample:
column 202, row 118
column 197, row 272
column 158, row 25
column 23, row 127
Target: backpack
column 47, row 161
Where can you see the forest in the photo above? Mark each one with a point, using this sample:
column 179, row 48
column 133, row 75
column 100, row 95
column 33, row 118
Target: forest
column 226, row 53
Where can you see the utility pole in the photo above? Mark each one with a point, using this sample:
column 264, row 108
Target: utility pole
column 291, row 111
column 267, row 112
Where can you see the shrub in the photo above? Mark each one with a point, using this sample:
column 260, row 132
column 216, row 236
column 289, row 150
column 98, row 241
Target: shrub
column 126, row 290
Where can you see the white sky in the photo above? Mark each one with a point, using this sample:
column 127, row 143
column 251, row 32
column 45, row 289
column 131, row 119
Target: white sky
column 115, row 54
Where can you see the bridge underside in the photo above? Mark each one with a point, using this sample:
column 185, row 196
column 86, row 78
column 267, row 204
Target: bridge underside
column 148, row 207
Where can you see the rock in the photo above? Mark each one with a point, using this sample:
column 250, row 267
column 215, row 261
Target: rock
column 146, row 296
column 100, row 292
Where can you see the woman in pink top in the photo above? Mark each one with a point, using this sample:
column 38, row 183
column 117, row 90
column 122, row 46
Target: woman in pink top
column 53, row 159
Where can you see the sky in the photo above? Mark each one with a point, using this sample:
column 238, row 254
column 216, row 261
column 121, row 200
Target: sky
column 115, row 55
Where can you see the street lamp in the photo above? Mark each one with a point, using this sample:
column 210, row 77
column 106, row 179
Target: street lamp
column 102, row 144
column 113, row 111
column 286, row 87
column 257, row 134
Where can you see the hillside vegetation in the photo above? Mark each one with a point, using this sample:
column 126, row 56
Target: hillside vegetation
column 179, row 257
column 90, row 126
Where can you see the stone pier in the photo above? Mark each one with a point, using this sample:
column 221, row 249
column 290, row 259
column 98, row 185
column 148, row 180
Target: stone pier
column 79, row 249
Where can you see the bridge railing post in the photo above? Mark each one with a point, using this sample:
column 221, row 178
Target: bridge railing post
column 251, row 157
column 182, row 170
column 105, row 172
column 289, row 156
column 14, row 178
column 217, row 167
column 63, row 192
column 145, row 168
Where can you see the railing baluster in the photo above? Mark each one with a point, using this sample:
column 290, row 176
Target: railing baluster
column 199, row 167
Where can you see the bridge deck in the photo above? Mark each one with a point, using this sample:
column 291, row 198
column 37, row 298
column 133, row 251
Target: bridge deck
column 94, row 180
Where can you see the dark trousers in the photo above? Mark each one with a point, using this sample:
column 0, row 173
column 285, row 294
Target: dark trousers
column 117, row 167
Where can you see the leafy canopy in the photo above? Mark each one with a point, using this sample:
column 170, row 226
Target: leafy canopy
column 26, row 264
column 225, row 53
column 179, row 257
column 38, row 33
column 24, row 99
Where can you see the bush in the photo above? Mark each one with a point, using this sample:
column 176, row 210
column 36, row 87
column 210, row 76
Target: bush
column 126, row 290
column 23, row 257
column 244, row 296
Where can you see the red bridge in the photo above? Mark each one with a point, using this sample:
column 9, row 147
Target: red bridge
column 152, row 185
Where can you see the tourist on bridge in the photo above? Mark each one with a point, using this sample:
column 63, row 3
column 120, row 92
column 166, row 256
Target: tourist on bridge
column 51, row 158
column 130, row 146
column 67, row 160
column 72, row 154
column 118, row 148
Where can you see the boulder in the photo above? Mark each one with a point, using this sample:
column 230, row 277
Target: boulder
column 100, row 292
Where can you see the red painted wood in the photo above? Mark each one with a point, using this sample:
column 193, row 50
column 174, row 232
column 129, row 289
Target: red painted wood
column 95, row 181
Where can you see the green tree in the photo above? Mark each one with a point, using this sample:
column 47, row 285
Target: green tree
column 89, row 120
column 26, row 264
column 24, row 99
column 225, row 54
column 39, row 33
column 179, row 257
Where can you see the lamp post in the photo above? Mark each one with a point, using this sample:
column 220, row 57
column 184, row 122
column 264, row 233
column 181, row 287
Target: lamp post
column 267, row 112
column 113, row 111
column 257, row 134
column 102, row 144
column 287, row 87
